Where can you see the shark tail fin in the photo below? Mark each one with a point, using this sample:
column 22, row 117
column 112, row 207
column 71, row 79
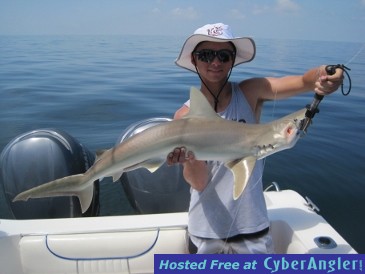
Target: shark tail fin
column 74, row 185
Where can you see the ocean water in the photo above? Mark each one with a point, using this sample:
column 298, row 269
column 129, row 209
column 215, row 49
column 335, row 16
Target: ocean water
column 93, row 87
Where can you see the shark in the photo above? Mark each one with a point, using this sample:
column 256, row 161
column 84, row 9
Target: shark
column 202, row 131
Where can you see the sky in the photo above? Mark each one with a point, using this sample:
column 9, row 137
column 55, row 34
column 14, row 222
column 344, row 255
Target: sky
column 327, row 20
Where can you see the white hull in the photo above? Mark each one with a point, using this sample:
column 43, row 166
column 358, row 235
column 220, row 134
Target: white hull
column 126, row 244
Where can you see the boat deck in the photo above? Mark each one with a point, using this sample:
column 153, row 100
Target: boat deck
column 126, row 244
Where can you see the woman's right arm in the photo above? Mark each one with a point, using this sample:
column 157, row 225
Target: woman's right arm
column 195, row 172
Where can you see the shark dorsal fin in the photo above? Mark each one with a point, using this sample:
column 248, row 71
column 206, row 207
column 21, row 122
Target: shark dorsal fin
column 199, row 105
column 99, row 153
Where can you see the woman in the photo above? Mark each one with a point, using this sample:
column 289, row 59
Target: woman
column 217, row 223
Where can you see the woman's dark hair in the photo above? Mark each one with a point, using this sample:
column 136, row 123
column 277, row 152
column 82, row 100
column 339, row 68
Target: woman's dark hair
column 232, row 44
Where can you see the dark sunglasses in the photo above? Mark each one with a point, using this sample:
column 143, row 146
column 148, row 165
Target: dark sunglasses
column 208, row 55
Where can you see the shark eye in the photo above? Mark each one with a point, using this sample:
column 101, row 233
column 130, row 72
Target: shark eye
column 289, row 130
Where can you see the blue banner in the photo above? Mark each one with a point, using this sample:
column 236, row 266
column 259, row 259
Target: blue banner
column 259, row 264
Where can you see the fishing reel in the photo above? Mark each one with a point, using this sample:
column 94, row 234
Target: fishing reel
column 312, row 108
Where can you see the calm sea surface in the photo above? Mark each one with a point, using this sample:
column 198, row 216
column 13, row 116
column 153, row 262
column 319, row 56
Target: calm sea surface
column 93, row 87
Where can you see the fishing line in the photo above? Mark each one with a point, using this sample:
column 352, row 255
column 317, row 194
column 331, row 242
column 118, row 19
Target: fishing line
column 312, row 108
column 356, row 54
column 239, row 204
column 345, row 69
column 274, row 104
column 258, row 181
column 330, row 69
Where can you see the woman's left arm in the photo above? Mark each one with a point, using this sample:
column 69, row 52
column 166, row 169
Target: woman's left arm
column 315, row 79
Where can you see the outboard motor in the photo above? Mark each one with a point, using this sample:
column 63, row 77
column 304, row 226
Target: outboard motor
column 40, row 156
column 163, row 191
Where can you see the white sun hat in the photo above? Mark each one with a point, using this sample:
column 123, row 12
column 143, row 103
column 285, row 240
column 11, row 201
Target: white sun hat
column 219, row 32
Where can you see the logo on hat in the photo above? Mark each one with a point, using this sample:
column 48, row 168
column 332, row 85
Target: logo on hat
column 215, row 31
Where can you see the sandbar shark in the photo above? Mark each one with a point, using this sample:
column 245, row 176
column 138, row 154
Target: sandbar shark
column 201, row 131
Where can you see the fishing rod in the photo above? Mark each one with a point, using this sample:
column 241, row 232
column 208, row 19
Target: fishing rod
column 312, row 109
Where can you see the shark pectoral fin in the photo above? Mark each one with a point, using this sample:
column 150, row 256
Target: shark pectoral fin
column 153, row 164
column 85, row 197
column 241, row 170
column 116, row 176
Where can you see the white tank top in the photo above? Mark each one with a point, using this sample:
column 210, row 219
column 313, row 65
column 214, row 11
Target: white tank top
column 213, row 213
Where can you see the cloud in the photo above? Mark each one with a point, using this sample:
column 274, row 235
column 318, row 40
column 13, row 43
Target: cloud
column 286, row 5
column 279, row 6
column 156, row 11
column 186, row 13
column 257, row 9
column 237, row 14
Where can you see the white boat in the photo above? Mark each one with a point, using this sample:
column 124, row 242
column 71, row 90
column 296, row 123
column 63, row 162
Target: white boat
column 126, row 244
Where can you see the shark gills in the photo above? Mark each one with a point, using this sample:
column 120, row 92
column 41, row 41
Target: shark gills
column 201, row 131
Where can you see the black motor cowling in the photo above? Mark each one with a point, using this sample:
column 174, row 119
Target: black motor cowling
column 163, row 191
column 40, row 156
